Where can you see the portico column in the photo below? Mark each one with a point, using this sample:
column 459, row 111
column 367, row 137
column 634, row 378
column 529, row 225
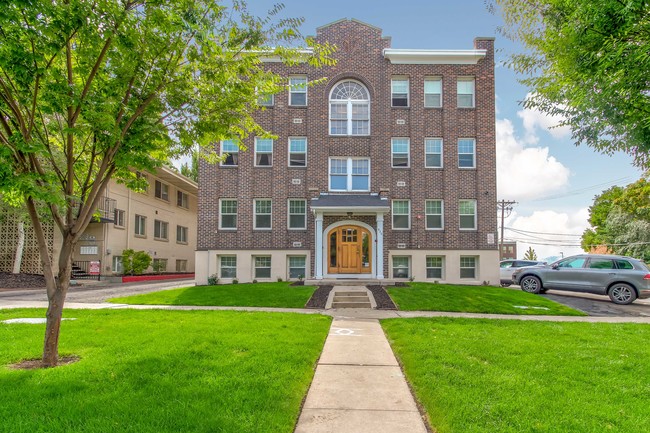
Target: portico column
column 380, row 246
column 318, row 248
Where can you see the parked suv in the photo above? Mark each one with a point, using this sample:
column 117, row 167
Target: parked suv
column 506, row 267
column 623, row 279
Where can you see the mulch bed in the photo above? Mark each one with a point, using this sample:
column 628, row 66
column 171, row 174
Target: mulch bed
column 383, row 300
column 34, row 364
column 319, row 298
column 21, row 281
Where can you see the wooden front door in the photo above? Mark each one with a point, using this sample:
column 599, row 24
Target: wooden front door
column 349, row 250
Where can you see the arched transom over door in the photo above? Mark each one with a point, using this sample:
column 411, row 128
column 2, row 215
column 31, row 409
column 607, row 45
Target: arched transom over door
column 350, row 250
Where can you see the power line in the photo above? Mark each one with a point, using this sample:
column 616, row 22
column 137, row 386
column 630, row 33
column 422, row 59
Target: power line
column 541, row 233
column 580, row 191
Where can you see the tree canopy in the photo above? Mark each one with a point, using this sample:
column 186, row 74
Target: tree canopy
column 620, row 221
column 94, row 90
column 530, row 254
column 587, row 62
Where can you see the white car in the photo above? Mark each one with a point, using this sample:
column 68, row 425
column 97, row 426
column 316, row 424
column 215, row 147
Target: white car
column 507, row 267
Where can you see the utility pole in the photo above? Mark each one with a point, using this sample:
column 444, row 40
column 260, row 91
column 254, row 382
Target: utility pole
column 506, row 209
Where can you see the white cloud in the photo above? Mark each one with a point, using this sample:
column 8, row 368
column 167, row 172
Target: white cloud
column 525, row 172
column 534, row 120
column 548, row 232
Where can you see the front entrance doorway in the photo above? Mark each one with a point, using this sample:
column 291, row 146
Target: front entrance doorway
column 350, row 250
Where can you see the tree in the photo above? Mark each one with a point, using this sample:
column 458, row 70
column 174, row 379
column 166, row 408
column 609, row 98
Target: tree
column 91, row 91
column 587, row 62
column 191, row 170
column 620, row 221
column 530, row 254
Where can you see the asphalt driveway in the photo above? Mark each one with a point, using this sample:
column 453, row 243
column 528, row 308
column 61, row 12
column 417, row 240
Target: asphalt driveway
column 595, row 305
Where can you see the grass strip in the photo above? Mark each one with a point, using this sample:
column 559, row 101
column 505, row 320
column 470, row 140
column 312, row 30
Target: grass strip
column 475, row 299
column 161, row 371
column 279, row 295
column 498, row 376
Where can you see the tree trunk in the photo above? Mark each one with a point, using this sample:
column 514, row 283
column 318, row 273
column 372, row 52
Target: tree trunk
column 18, row 258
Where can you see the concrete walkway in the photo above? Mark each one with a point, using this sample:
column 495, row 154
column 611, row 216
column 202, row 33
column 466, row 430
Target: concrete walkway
column 358, row 386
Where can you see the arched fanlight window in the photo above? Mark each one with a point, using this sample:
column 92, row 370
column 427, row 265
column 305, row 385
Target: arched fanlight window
column 349, row 109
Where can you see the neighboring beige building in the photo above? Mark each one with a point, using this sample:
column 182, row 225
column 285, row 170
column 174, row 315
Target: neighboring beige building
column 160, row 221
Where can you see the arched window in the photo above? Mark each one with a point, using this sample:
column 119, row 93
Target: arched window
column 349, row 109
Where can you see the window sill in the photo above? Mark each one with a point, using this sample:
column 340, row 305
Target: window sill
column 263, row 166
column 301, row 107
column 140, row 236
column 435, row 230
column 161, row 239
column 433, row 108
column 298, row 230
column 228, row 166
column 433, row 168
column 119, row 227
column 400, row 108
column 181, row 243
column 466, row 108
column 228, row 229
column 262, row 230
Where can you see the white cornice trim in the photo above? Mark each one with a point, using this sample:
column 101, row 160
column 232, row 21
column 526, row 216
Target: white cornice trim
column 369, row 210
column 433, row 57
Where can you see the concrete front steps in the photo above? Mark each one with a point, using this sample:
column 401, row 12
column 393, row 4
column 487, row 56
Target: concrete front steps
column 350, row 297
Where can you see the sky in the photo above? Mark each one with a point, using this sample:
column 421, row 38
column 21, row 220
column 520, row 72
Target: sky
column 552, row 181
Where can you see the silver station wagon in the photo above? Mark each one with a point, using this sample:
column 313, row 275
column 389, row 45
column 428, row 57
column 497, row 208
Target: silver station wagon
column 623, row 279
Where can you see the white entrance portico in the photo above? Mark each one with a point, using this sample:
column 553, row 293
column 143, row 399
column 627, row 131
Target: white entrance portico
column 349, row 248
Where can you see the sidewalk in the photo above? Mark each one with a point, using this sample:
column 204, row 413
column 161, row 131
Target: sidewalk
column 358, row 385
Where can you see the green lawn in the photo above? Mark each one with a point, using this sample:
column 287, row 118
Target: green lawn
column 474, row 299
column 497, row 376
column 161, row 371
column 238, row 295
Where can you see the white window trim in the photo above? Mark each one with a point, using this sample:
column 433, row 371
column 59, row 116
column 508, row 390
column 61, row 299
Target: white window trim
column 349, row 103
column 187, row 199
column 473, row 80
column 289, row 152
column 408, row 90
column 229, row 267
column 163, row 187
column 442, row 215
column 476, row 267
column 221, row 153
column 392, row 212
column 349, row 174
column 291, row 91
column 161, row 224
column 424, row 93
column 270, row 227
column 473, row 153
column 408, row 152
column 144, row 225
column 442, row 267
column 260, row 96
column 269, row 267
column 187, row 234
column 117, row 222
column 442, row 153
column 289, row 257
column 409, row 264
column 255, row 152
column 289, row 214
column 475, row 215
column 221, row 214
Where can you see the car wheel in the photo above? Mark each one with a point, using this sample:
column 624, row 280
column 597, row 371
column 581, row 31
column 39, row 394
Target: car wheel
column 622, row 294
column 530, row 284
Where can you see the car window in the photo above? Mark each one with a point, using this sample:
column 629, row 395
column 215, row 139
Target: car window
column 601, row 264
column 624, row 264
column 505, row 264
column 577, row 262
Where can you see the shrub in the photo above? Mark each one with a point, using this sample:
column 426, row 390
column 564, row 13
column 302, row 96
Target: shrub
column 279, row 279
column 213, row 280
column 254, row 281
column 135, row 262
column 235, row 281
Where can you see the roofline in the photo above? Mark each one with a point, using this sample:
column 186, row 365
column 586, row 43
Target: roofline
column 179, row 176
column 348, row 19
column 398, row 56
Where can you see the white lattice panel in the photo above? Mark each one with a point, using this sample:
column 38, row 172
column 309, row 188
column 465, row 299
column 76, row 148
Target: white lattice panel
column 31, row 263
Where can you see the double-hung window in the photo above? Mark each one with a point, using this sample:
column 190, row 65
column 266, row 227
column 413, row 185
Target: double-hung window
column 229, row 153
column 160, row 230
column 399, row 88
column 265, row 100
column 263, row 152
column 400, row 152
column 297, row 214
column 297, row 266
column 140, row 225
column 181, row 234
column 297, row 151
column 401, row 214
column 465, row 92
column 162, row 190
column 349, row 109
column 182, row 199
column 467, row 214
column 118, row 220
column 433, row 92
column 262, row 214
column 228, row 214
column 433, row 210
column 433, row 152
column 401, row 267
column 298, row 91
column 434, row 267
column 228, row 266
column 262, row 266
column 468, row 267
column 466, row 153
column 349, row 174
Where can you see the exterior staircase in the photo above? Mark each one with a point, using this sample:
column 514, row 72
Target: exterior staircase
column 351, row 299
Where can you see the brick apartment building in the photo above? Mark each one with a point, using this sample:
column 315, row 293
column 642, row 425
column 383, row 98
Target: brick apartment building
column 386, row 171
